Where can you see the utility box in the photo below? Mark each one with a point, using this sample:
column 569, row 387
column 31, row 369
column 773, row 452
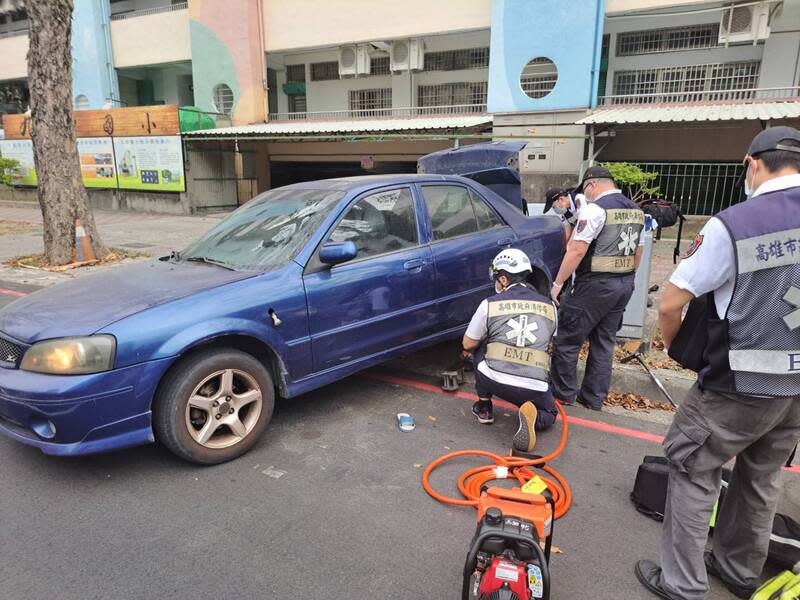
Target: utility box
column 635, row 316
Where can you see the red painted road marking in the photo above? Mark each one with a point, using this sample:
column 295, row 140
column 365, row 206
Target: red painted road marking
column 12, row 293
column 623, row 431
column 598, row 425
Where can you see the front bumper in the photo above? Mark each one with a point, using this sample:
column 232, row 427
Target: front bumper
column 81, row 414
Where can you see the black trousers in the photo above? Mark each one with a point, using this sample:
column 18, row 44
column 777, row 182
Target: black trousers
column 591, row 311
column 546, row 411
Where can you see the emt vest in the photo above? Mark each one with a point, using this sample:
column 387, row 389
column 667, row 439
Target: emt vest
column 612, row 252
column 521, row 323
column 754, row 349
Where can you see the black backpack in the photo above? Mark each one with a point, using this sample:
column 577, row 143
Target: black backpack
column 650, row 497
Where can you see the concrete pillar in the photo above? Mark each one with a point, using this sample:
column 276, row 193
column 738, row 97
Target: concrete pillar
column 227, row 49
column 263, row 174
column 93, row 73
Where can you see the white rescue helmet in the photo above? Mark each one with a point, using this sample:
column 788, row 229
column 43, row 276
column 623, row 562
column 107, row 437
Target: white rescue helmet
column 511, row 261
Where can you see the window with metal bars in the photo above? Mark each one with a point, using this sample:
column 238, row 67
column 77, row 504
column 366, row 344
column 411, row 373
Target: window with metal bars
column 668, row 39
column 379, row 65
column 297, row 103
column 296, row 74
column 453, row 94
column 467, row 93
column 457, row 60
column 370, row 103
column 325, row 71
column 722, row 81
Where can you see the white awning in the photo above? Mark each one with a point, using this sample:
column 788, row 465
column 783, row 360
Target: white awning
column 352, row 126
column 660, row 113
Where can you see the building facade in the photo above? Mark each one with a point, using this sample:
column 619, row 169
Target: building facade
column 314, row 89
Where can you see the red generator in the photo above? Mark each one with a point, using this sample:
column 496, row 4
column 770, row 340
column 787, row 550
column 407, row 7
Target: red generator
column 505, row 559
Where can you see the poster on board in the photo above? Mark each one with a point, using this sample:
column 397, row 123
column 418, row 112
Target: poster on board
column 22, row 152
column 97, row 162
column 150, row 163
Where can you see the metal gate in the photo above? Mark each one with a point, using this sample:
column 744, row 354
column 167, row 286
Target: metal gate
column 698, row 188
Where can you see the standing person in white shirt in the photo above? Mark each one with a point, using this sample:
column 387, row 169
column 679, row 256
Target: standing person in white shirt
column 603, row 254
column 566, row 205
column 510, row 336
column 746, row 402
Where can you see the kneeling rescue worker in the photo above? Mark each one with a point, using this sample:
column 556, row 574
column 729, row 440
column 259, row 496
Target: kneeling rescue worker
column 510, row 335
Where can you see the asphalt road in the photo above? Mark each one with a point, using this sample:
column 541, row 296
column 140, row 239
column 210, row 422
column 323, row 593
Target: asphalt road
column 327, row 505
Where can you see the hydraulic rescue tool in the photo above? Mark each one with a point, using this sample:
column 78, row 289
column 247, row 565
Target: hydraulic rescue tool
column 509, row 556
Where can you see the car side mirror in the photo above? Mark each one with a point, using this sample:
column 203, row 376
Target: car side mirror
column 334, row 253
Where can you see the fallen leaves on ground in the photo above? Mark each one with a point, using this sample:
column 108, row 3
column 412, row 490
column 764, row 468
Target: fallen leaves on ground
column 14, row 227
column 38, row 261
column 635, row 402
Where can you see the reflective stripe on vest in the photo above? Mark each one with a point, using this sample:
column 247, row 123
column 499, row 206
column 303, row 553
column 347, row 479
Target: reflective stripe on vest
column 520, row 324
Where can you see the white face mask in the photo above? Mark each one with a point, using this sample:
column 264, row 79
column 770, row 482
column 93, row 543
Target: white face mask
column 559, row 211
column 748, row 190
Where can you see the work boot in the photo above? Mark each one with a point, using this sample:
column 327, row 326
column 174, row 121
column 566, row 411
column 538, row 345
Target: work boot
column 482, row 410
column 588, row 405
column 525, row 438
column 712, row 568
column 649, row 575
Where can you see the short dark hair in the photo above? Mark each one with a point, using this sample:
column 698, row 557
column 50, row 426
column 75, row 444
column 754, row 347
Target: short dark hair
column 777, row 160
column 513, row 277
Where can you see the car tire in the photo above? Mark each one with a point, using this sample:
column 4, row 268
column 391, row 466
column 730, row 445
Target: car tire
column 200, row 399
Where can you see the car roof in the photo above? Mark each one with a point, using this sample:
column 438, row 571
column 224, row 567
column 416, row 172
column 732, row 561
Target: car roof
column 370, row 181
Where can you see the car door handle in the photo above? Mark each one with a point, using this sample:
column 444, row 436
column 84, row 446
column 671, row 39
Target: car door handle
column 414, row 265
column 505, row 242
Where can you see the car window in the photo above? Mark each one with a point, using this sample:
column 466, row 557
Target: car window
column 379, row 223
column 267, row 232
column 486, row 217
column 450, row 209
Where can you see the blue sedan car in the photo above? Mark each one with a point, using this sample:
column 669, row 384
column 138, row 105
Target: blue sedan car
column 299, row 287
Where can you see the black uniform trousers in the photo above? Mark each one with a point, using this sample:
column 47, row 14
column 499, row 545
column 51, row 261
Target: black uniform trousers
column 591, row 311
column 486, row 388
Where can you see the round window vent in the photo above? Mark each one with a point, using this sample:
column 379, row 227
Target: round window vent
column 223, row 98
column 81, row 102
column 538, row 77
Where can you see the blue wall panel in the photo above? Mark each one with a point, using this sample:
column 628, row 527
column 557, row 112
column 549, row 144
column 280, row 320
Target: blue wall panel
column 568, row 32
column 93, row 74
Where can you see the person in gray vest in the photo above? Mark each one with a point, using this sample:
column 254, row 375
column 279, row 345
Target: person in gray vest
column 603, row 253
column 746, row 402
column 510, row 335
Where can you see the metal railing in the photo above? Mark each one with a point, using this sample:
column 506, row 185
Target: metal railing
column 774, row 93
column 149, row 11
column 15, row 33
column 697, row 188
column 346, row 115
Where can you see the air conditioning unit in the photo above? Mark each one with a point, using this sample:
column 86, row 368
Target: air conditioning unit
column 744, row 24
column 354, row 60
column 407, row 55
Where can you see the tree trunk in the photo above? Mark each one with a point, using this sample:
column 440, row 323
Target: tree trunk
column 62, row 196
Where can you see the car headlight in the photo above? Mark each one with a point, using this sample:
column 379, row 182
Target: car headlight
column 71, row 356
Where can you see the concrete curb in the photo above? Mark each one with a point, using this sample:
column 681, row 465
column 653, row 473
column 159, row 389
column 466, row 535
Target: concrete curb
column 634, row 379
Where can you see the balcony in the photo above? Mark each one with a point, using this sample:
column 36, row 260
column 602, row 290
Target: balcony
column 151, row 36
column 381, row 113
column 776, row 94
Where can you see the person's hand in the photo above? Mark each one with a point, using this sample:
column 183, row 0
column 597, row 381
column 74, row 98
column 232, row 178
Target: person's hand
column 555, row 291
column 465, row 355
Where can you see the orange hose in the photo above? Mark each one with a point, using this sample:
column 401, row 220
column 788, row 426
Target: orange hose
column 471, row 481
